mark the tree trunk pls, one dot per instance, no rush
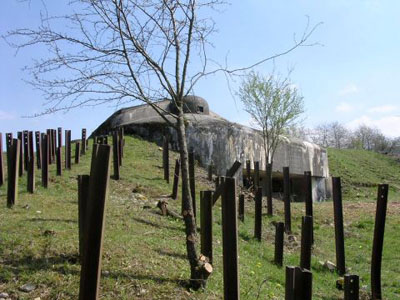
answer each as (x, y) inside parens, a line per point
(199, 269)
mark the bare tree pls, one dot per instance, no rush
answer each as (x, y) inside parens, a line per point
(275, 106)
(124, 50)
(321, 135)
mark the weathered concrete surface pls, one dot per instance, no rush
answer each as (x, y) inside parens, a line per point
(219, 142)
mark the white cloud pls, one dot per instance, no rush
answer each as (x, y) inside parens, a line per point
(6, 116)
(382, 109)
(349, 89)
(390, 125)
(344, 107)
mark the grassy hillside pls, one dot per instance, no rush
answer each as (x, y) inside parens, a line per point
(361, 171)
(144, 253)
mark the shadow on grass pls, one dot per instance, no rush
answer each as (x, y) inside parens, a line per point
(52, 220)
(171, 254)
(159, 226)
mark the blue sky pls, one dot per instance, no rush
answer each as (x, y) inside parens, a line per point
(352, 78)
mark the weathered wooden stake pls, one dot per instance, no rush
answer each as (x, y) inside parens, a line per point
(84, 147)
(94, 223)
(9, 139)
(49, 138)
(302, 284)
(286, 199)
(306, 242)
(206, 221)
(351, 287)
(230, 240)
(175, 184)
(1, 161)
(116, 154)
(21, 153)
(269, 189)
(256, 174)
(192, 181)
(289, 283)
(45, 160)
(13, 155)
(165, 158)
(25, 133)
(248, 173)
(30, 146)
(38, 150)
(258, 214)
(279, 238)
(210, 172)
(77, 152)
(59, 161)
(31, 175)
(377, 248)
(241, 207)
(68, 149)
(59, 137)
(54, 144)
(83, 193)
(308, 193)
(339, 231)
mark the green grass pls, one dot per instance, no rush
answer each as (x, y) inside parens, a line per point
(361, 171)
(144, 253)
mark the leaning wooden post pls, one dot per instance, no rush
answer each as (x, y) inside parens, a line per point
(68, 149)
(192, 181)
(256, 175)
(31, 174)
(21, 153)
(241, 207)
(377, 248)
(59, 161)
(94, 227)
(269, 189)
(13, 155)
(206, 221)
(286, 199)
(77, 152)
(279, 238)
(83, 192)
(351, 287)
(83, 148)
(45, 160)
(339, 231)
(230, 240)
(166, 158)
(258, 214)
(306, 242)
(175, 184)
(116, 154)
(38, 150)
(1, 161)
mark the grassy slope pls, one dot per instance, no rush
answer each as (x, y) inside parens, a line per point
(144, 253)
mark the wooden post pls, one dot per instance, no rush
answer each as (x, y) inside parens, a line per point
(54, 144)
(166, 158)
(175, 184)
(13, 155)
(77, 152)
(30, 146)
(21, 153)
(68, 149)
(210, 172)
(121, 135)
(229, 240)
(49, 138)
(192, 180)
(279, 238)
(269, 189)
(256, 174)
(94, 223)
(286, 199)
(302, 284)
(83, 149)
(59, 136)
(308, 193)
(1, 161)
(289, 283)
(351, 287)
(9, 139)
(25, 133)
(339, 231)
(31, 174)
(83, 192)
(206, 221)
(116, 154)
(241, 207)
(258, 214)
(59, 161)
(306, 242)
(38, 150)
(377, 248)
(45, 160)
(121, 150)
